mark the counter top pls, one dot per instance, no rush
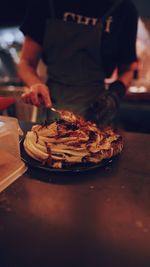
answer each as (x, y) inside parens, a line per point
(99, 218)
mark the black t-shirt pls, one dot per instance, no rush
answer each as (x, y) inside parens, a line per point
(120, 28)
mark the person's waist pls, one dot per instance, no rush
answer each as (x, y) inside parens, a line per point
(75, 77)
(75, 83)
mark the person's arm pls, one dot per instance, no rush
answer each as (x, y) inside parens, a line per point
(126, 73)
(27, 70)
(127, 61)
(125, 76)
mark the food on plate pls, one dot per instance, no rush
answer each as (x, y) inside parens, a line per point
(71, 140)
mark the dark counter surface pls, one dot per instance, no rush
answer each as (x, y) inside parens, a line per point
(95, 219)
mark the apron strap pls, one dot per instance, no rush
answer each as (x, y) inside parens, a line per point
(110, 11)
(113, 7)
(52, 9)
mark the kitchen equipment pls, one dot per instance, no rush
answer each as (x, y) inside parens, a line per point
(11, 165)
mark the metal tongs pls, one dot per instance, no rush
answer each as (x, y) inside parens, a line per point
(55, 110)
(48, 120)
(65, 114)
(58, 112)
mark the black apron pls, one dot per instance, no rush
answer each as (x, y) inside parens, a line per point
(72, 53)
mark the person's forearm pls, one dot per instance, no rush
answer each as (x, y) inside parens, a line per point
(126, 75)
(28, 74)
(118, 88)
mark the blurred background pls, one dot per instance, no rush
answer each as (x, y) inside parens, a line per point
(135, 109)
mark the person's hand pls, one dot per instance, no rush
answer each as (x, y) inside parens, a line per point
(104, 110)
(36, 95)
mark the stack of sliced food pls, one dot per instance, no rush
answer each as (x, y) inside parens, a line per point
(71, 140)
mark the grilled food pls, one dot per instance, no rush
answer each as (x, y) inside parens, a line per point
(71, 140)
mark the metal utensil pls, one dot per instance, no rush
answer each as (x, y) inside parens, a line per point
(53, 109)
(56, 112)
(49, 117)
(64, 114)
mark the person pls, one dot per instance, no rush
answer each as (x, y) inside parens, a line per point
(82, 42)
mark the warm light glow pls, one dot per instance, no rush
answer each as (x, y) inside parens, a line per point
(1, 124)
(135, 89)
(143, 38)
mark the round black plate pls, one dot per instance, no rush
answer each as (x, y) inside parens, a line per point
(74, 168)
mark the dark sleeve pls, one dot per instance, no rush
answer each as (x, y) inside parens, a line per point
(127, 39)
(34, 22)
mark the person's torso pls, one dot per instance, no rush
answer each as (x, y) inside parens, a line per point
(115, 28)
(76, 35)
